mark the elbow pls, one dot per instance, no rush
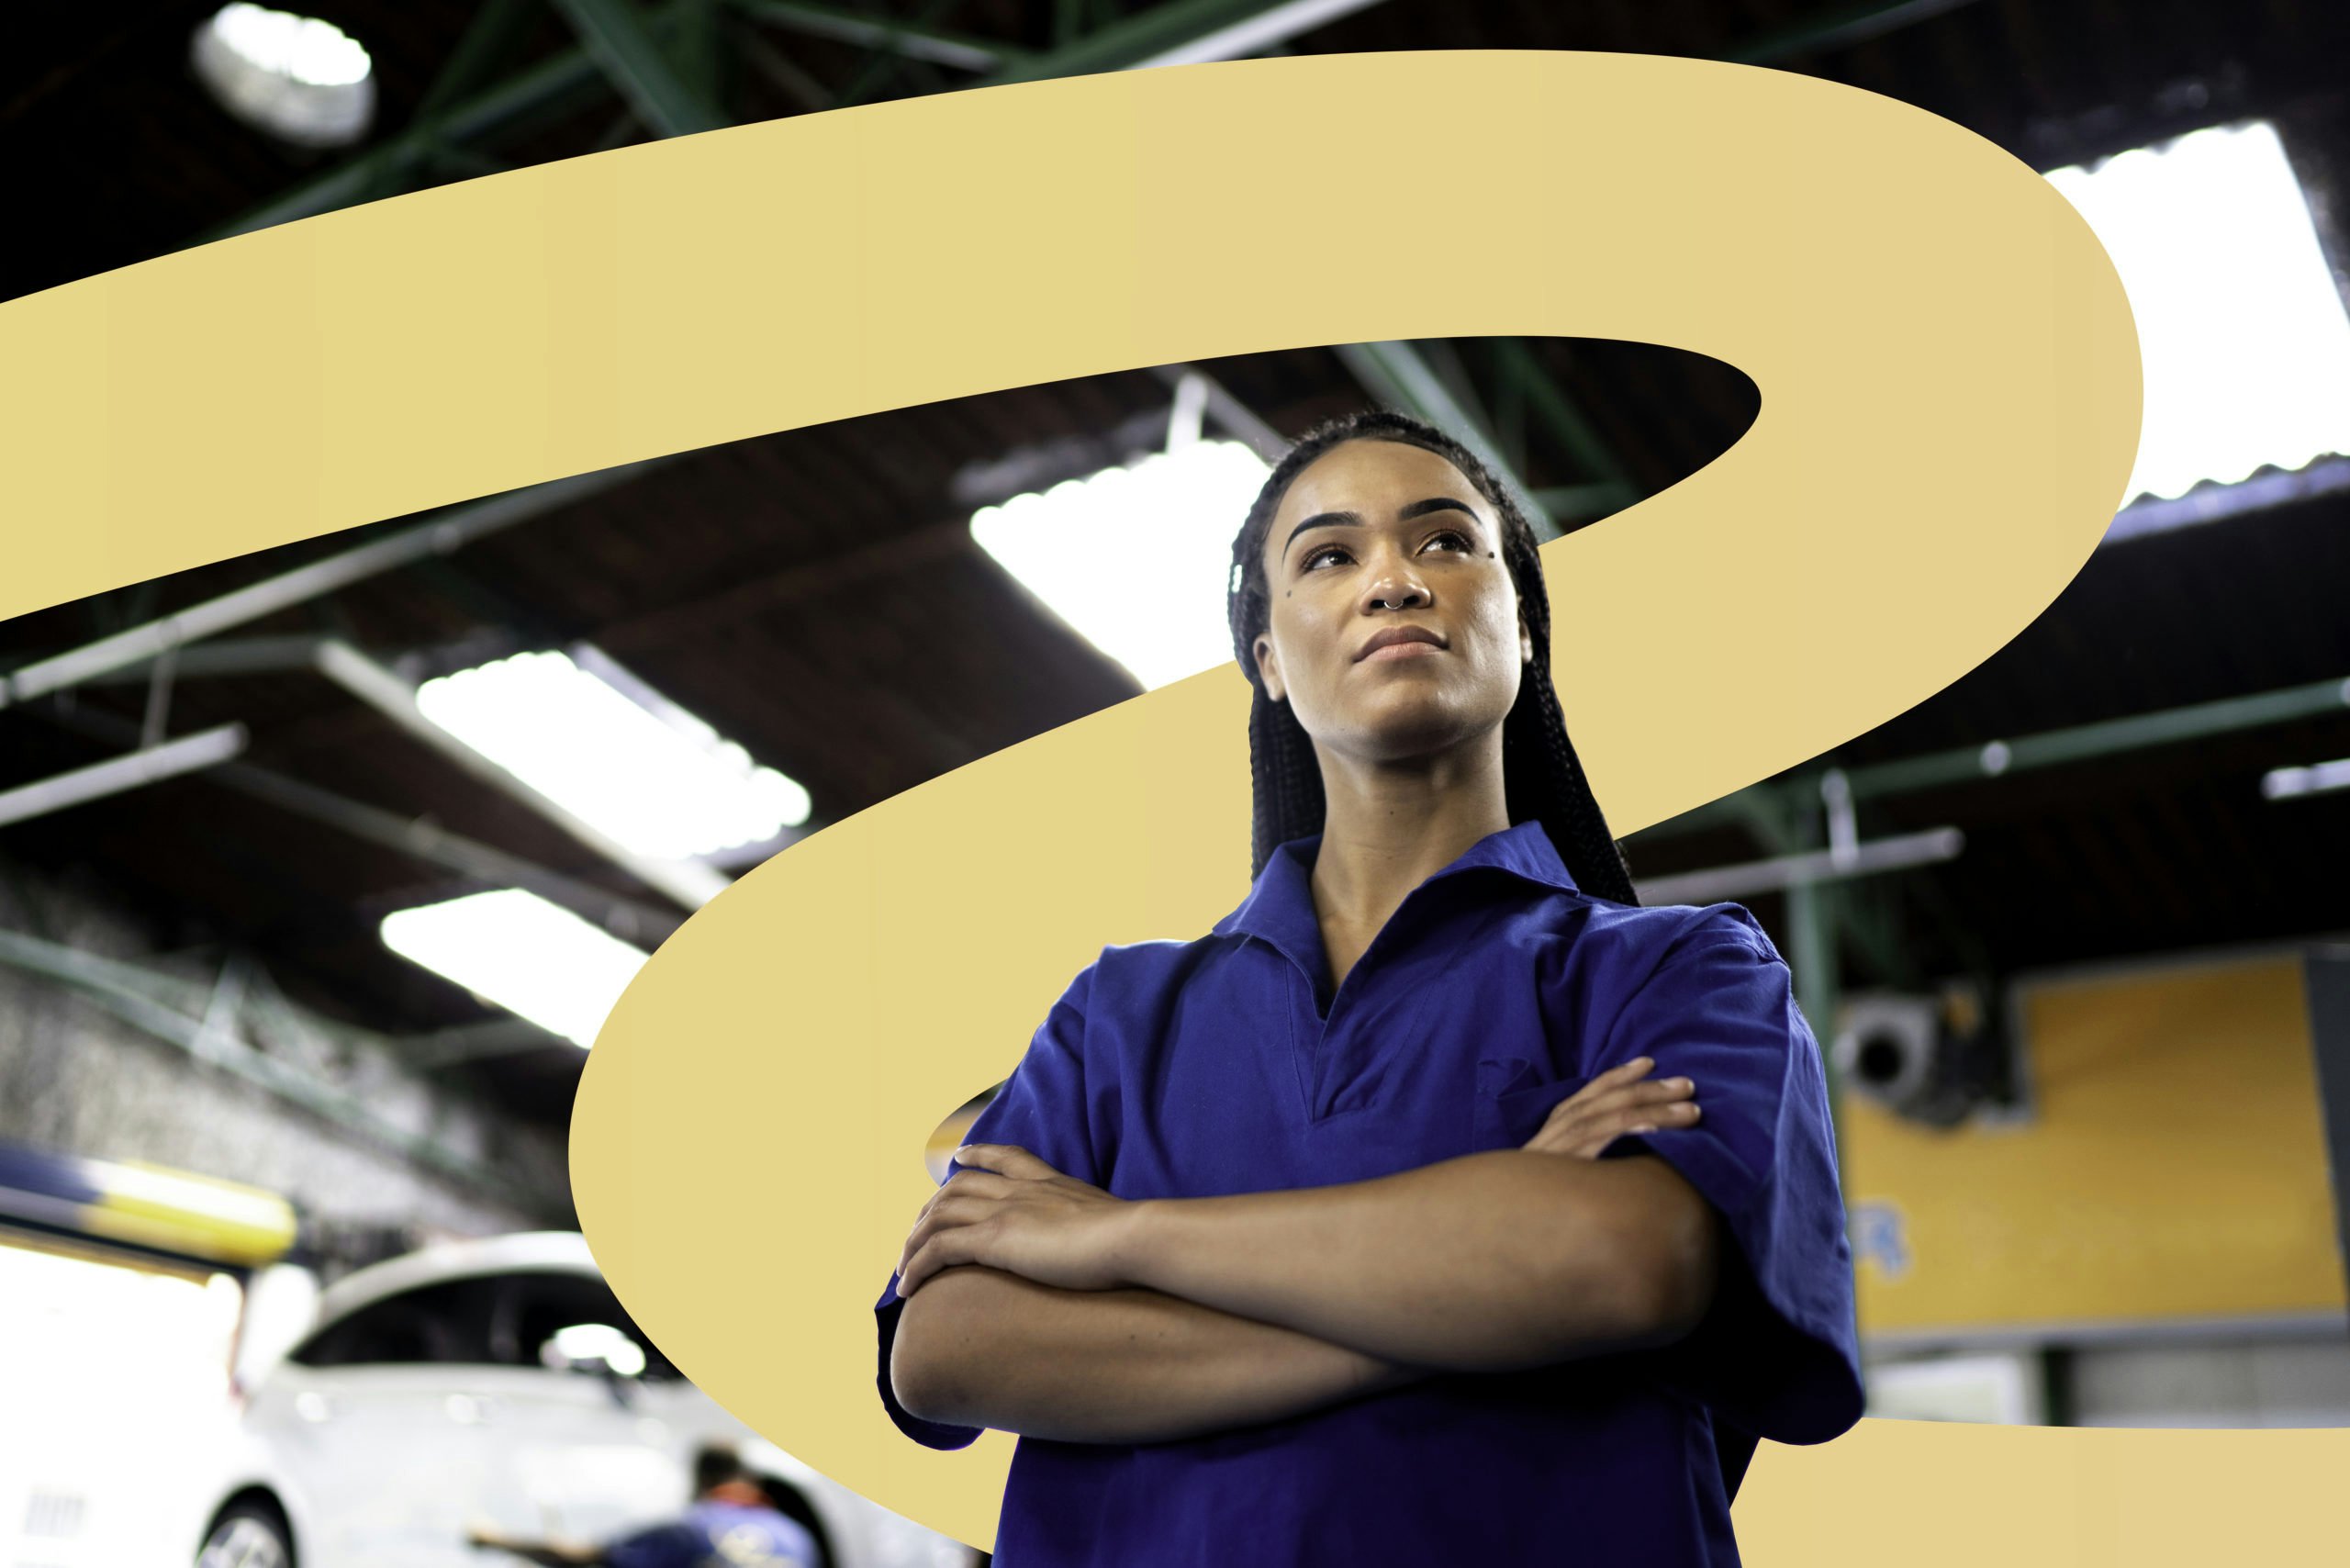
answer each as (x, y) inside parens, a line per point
(1673, 1271)
(1647, 1275)
(924, 1375)
(922, 1387)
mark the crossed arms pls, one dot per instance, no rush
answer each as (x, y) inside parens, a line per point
(1039, 1305)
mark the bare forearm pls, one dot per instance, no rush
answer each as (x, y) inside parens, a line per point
(549, 1553)
(976, 1347)
(1490, 1262)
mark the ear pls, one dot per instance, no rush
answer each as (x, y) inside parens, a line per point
(1269, 669)
(1524, 641)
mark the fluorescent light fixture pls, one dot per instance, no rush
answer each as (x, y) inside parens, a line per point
(299, 79)
(2245, 342)
(515, 950)
(1136, 560)
(635, 766)
(2287, 783)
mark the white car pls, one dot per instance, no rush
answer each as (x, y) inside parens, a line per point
(494, 1384)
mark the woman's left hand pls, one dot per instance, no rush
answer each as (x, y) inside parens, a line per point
(1007, 1209)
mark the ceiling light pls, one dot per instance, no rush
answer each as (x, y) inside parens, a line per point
(2245, 344)
(1135, 559)
(302, 80)
(518, 951)
(2287, 783)
(614, 753)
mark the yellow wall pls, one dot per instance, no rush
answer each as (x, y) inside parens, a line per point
(2173, 1166)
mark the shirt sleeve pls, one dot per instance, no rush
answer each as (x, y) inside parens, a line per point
(1777, 1353)
(1044, 1109)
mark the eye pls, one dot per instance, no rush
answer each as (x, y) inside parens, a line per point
(1451, 538)
(1315, 555)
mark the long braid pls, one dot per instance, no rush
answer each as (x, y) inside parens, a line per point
(1544, 778)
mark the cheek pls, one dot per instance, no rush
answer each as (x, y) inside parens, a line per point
(1495, 619)
(1297, 623)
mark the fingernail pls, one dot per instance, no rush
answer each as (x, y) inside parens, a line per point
(1681, 1083)
(1644, 1129)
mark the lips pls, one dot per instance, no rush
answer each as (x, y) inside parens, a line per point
(1395, 636)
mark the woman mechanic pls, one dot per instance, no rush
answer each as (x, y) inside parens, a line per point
(1441, 1205)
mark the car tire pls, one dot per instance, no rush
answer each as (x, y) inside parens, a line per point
(248, 1534)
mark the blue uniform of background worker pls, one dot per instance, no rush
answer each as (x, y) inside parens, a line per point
(1296, 1092)
(730, 1524)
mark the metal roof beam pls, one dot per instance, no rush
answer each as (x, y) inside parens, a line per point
(1238, 419)
(1837, 29)
(934, 45)
(2050, 748)
(418, 837)
(485, 38)
(2109, 737)
(1185, 32)
(1394, 372)
(426, 840)
(620, 40)
(464, 1044)
(1567, 424)
(1809, 867)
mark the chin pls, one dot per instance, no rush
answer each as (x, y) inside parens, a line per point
(1421, 729)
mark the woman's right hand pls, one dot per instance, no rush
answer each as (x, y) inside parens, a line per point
(1618, 1101)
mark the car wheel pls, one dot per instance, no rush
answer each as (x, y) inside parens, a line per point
(249, 1535)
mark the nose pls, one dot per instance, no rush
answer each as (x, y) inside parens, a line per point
(1393, 586)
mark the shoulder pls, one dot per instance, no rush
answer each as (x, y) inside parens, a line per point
(676, 1544)
(1637, 943)
(1134, 971)
(719, 1521)
(1125, 982)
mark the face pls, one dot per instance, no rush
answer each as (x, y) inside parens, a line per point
(1394, 630)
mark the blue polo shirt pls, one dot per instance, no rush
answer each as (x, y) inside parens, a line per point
(1177, 1069)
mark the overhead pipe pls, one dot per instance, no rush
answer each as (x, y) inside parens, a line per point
(1782, 872)
(643, 925)
(148, 764)
(2049, 748)
(442, 536)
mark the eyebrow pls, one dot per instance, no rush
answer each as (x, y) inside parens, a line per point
(1354, 519)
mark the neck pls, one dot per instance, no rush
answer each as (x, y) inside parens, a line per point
(1389, 826)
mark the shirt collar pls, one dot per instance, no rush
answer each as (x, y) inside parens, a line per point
(1280, 908)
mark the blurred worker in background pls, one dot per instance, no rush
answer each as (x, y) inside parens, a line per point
(730, 1524)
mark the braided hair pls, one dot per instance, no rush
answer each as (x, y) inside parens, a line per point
(1541, 776)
